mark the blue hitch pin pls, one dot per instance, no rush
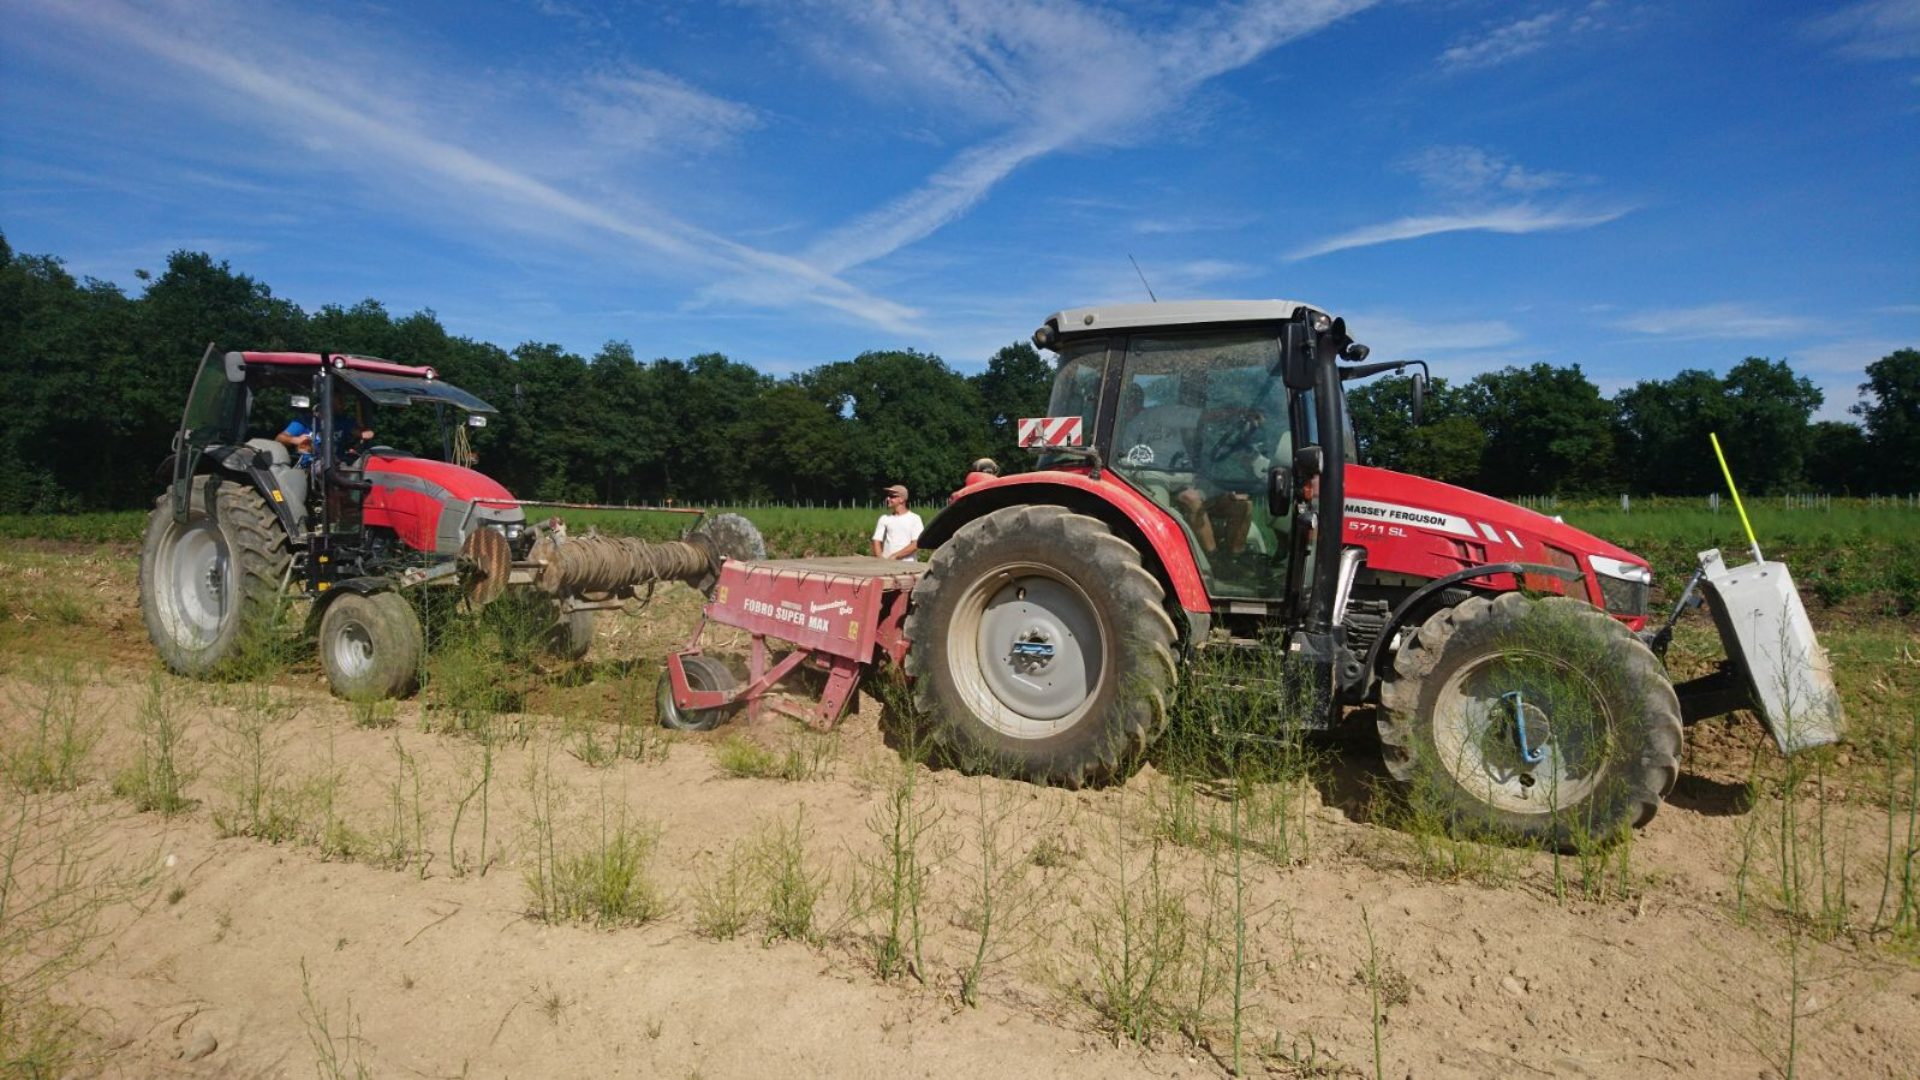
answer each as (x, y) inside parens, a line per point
(1527, 753)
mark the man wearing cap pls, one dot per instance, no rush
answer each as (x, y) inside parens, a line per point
(897, 536)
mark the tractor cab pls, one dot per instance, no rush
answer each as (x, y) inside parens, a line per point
(348, 504)
(1191, 406)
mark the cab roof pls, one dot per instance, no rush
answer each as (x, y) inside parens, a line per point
(348, 361)
(1173, 314)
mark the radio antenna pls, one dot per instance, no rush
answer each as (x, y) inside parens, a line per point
(1143, 277)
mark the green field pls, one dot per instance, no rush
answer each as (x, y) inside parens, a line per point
(1848, 552)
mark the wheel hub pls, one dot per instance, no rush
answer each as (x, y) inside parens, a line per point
(353, 650)
(1038, 652)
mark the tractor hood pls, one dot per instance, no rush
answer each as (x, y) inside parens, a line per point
(1424, 528)
(434, 506)
(457, 482)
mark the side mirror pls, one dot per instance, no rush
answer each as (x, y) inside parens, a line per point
(300, 401)
(476, 420)
(1296, 354)
(1307, 463)
(1279, 491)
(1419, 397)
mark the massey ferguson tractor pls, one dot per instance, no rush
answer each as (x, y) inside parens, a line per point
(1198, 491)
(249, 522)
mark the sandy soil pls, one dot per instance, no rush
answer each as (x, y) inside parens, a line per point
(247, 958)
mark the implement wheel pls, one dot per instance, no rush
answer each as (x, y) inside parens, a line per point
(1543, 720)
(1042, 648)
(703, 673)
(210, 585)
(370, 646)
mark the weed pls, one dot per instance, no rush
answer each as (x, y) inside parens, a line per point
(163, 763)
(904, 824)
(807, 755)
(175, 895)
(551, 1004)
(476, 781)
(1138, 941)
(255, 798)
(1001, 899)
(723, 903)
(633, 737)
(58, 739)
(374, 714)
(338, 1056)
(404, 841)
(1050, 852)
(334, 837)
(1374, 990)
(793, 885)
(56, 884)
(606, 882)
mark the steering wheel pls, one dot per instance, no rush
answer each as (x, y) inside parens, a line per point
(1238, 429)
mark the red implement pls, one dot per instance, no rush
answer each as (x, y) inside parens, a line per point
(837, 614)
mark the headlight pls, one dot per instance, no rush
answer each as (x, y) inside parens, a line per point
(515, 529)
(1626, 587)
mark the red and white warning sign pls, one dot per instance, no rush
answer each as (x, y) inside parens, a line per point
(1050, 431)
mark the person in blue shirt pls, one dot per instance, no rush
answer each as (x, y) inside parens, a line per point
(299, 436)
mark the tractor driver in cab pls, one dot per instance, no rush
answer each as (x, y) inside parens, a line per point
(1160, 448)
(350, 432)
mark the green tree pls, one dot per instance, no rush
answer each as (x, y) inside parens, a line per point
(1838, 458)
(1892, 417)
(1447, 445)
(1548, 431)
(1767, 436)
(914, 421)
(1016, 383)
(1661, 430)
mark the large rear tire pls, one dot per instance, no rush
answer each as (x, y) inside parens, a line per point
(370, 646)
(1545, 720)
(1042, 648)
(210, 586)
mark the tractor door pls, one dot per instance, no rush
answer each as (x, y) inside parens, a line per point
(216, 414)
(1202, 421)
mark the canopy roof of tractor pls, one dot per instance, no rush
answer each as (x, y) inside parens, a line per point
(382, 381)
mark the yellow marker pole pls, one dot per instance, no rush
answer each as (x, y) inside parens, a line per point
(1753, 544)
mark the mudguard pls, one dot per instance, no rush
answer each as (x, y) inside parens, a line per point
(1108, 498)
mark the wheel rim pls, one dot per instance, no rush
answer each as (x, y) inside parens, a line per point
(199, 583)
(352, 649)
(1038, 654)
(1482, 711)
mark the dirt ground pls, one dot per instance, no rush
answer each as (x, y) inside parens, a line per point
(326, 903)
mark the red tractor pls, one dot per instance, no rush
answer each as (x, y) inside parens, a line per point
(251, 518)
(1198, 491)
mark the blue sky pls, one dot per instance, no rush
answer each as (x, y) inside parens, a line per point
(1635, 187)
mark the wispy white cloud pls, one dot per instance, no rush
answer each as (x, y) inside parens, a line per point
(1516, 38)
(1712, 321)
(1002, 62)
(1510, 220)
(1502, 43)
(1477, 190)
(1871, 30)
(644, 110)
(263, 81)
(1471, 170)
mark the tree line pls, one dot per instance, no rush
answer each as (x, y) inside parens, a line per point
(95, 380)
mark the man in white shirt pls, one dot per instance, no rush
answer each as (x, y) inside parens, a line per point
(897, 536)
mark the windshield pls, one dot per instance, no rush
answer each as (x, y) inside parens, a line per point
(407, 389)
(1076, 389)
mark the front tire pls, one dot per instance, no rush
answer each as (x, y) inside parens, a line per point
(1041, 648)
(370, 646)
(1541, 720)
(210, 586)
